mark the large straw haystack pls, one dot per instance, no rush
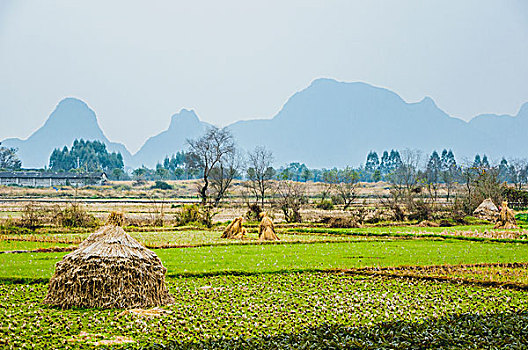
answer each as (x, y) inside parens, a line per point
(235, 230)
(487, 210)
(266, 229)
(506, 218)
(110, 269)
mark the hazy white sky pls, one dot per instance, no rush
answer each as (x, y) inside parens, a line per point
(138, 62)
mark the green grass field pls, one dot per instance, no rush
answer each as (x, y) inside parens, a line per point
(294, 257)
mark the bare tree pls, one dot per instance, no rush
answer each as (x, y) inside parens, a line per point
(260, 172)
(330, 178)
(208, 151)
(346, 186)
(291, 197)
(519, 172)
(480, 182)
(404, 183)
(222, 175)
(450, 177)
(405, 177)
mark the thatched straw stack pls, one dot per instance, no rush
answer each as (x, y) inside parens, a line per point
(487, 210)
(506, 218)
(267, 229)
(110, 269)
(235, 230)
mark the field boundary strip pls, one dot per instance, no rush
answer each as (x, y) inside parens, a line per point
(175, 246)
(385, 272)
(414, 235)
(407, 272)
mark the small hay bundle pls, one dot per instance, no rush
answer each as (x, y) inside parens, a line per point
(110, 269)
(235, 230)
(266, 229)
(506, 218)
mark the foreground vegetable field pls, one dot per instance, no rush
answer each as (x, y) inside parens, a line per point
(265, 305)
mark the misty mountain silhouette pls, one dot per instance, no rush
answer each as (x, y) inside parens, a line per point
(329, 123)
(72, 119)
(184, 125)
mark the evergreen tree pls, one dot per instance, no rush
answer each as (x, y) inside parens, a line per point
(433, 168)
(85, 156)
(477, 163)
(485, 162)
(504, 171)
(373, 162)
(384, 166)
(447, 160)
(451, 161)
(394, 161)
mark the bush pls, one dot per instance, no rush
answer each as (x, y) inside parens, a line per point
(161, 185)
(522, 218)
(73, 215)
(194, 214)
(325, 204)
(339, 222)
(188, 214)
(122, 187)
(421, 210)
(33, 216)
(337, 200)
(516, 198)
(253, 213)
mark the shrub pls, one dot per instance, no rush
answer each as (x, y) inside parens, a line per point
(73, 215)
(188, 214)
(122, 187)
(325, 204)
(33, 216)
(253, 213)
(194, 214)
(339, 222)
(161, 185)
(421, 210)
(516, 198)
(337, 200)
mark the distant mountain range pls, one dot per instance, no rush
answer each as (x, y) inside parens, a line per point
(328, 124)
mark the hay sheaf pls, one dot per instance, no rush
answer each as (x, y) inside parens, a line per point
(267, 229)
(235, 230)
(110, 269)
(506, 218)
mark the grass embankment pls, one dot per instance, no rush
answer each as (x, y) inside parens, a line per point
(293, 257)
(230, 309)
(473, 234)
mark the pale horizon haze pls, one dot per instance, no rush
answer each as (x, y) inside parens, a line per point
(136, 63)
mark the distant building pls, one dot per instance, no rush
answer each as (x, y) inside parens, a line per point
(49, 179)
